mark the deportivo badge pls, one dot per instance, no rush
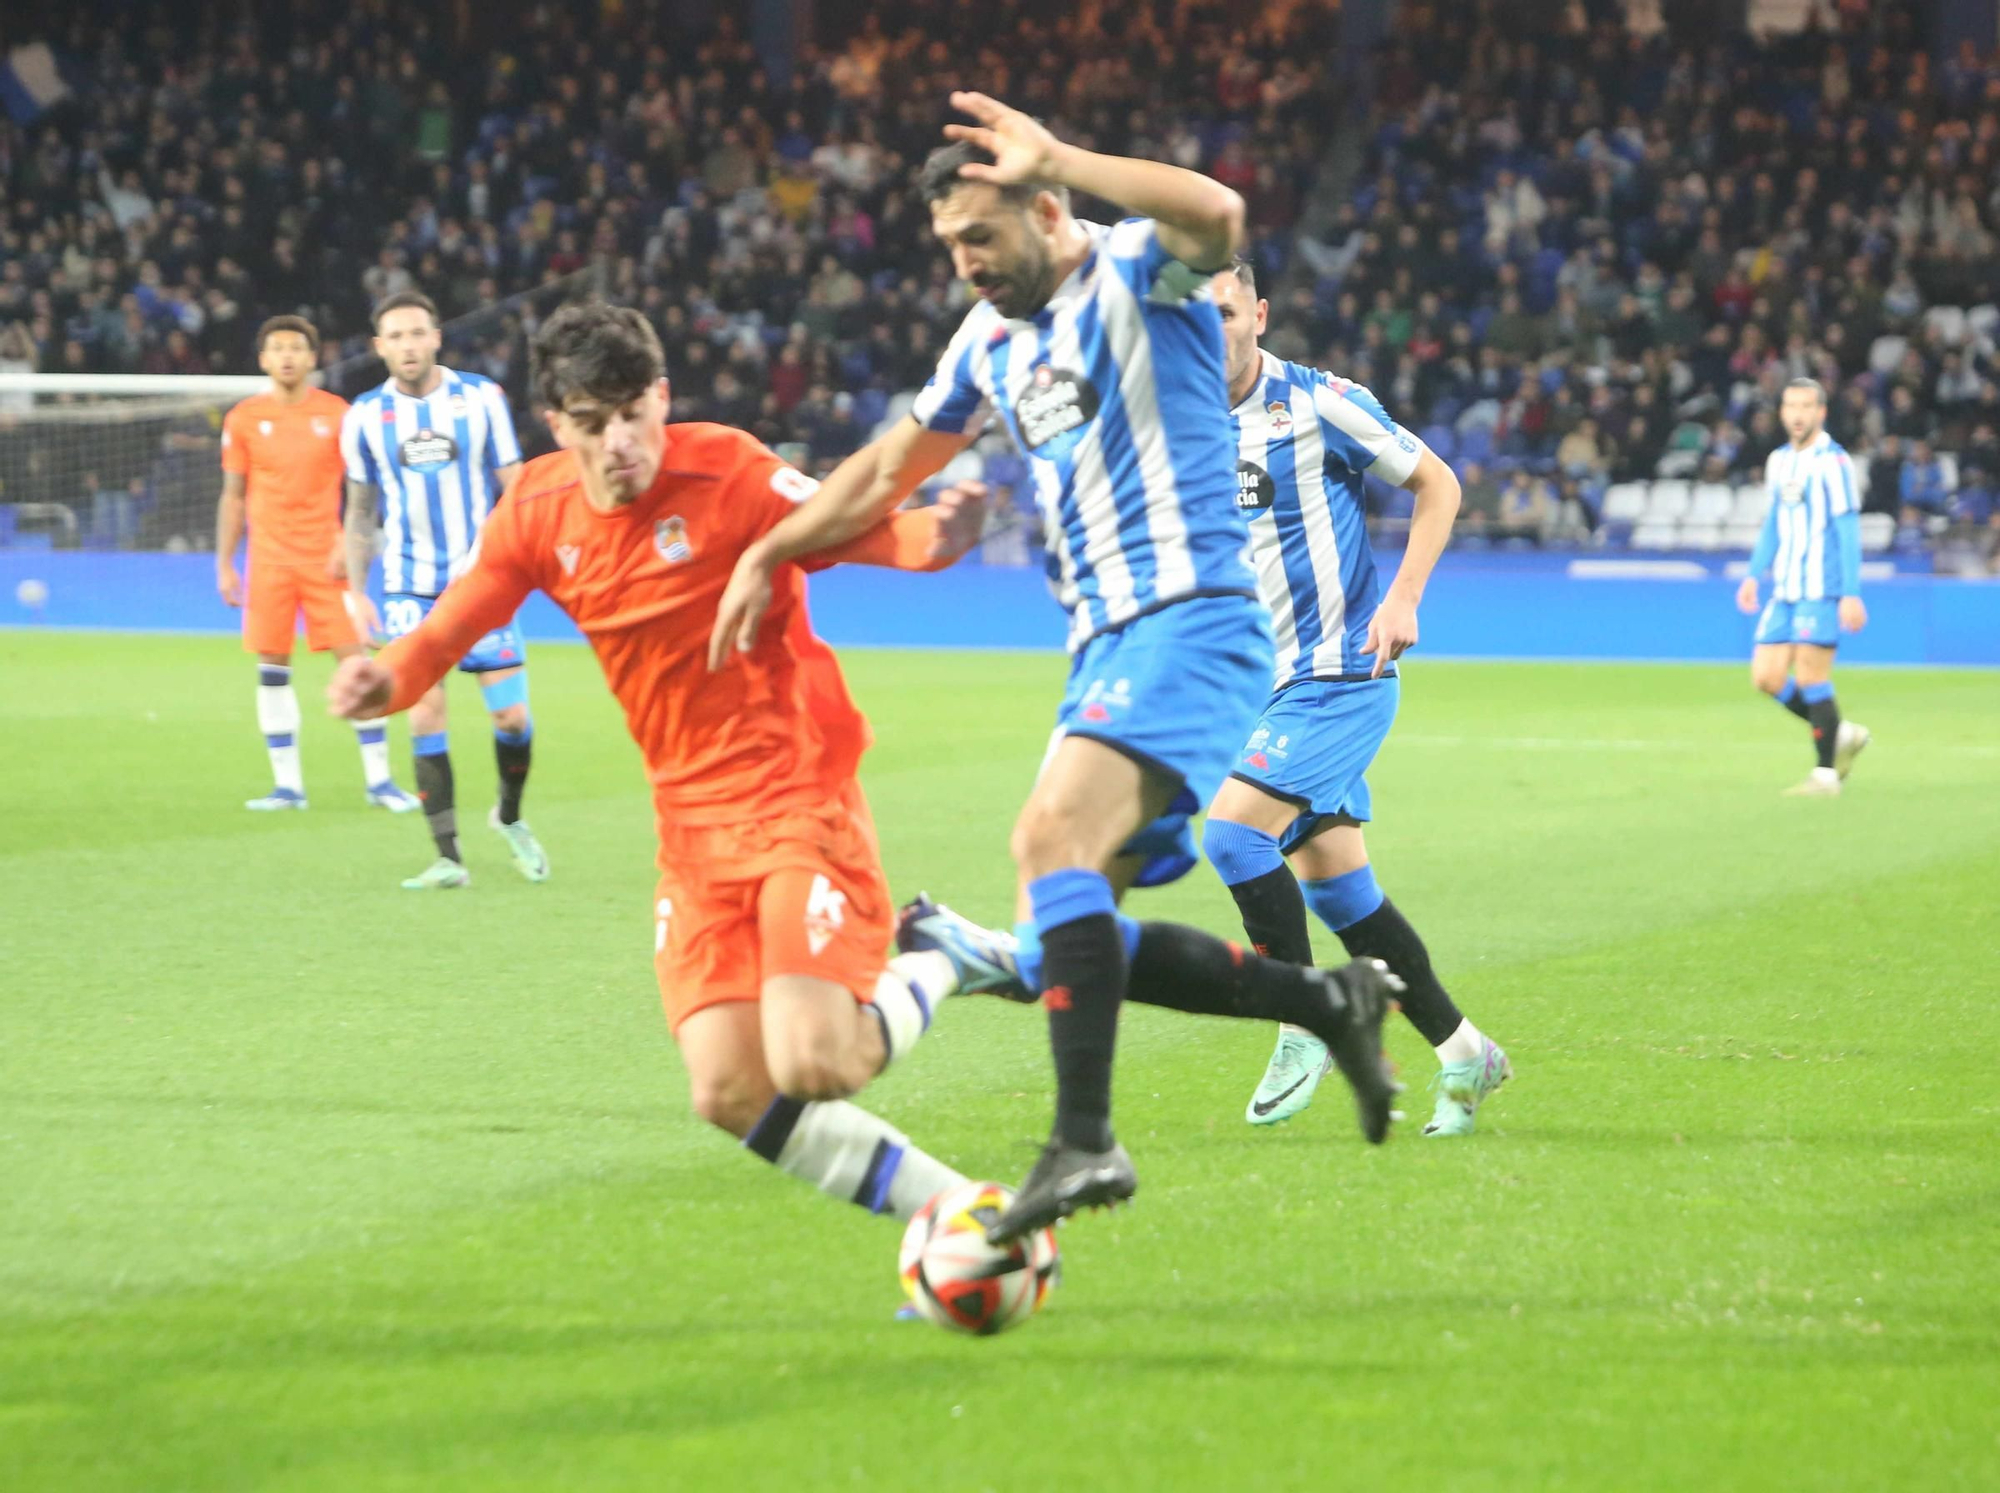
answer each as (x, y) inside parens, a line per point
(1281, 417)
(670, 539)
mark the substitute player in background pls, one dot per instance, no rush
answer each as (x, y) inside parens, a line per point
(1292, 810)
(1101, 350)
(440, 448)
(772, 915)
(281, 474)
(1810, 551)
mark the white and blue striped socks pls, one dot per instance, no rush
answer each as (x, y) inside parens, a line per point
(373, 737)
(278, 719)
(849, 1154)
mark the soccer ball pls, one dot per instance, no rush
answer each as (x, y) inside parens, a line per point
(32, 594)
(957, 1279)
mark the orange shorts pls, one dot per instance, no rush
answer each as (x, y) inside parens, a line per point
(800, 893)
(274, 596)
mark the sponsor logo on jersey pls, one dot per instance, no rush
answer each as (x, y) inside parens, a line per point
(263, 427)
(568, 555)
(1255, 490)
(670, 539)
(826, 912)
(321, 428)
(1054, 411)
(1404, 439)
(428, 451)
(1103, 702)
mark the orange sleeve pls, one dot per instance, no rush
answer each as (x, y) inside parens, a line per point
(483, 598)
(235, 453)
(902, 541)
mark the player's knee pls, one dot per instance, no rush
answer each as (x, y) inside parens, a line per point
(812, 1073)
(1043, 841)
(1770, 681)
(511, 718)
(726, 1102)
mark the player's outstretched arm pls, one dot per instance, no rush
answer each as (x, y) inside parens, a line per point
(855, 497)
(1200, 220)
(1393, 630)
(926, 539)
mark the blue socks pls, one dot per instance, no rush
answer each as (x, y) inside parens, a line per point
(1343, 901)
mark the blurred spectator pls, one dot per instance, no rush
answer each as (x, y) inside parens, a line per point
(1921, 485)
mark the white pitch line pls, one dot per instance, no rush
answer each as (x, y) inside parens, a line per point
(1629, 744)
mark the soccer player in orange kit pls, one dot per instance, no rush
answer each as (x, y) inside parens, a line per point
(281, 471)
(773, 915)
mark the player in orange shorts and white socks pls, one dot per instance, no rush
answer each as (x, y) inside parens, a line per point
(281, 471)
(772, 915)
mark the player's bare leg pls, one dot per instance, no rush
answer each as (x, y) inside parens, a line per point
(373, 739)
(431, 748)
(1088, 802)
(278, 719)
(787, 1102)
(506, 695)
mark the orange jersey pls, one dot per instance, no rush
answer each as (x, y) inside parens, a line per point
(289, 457)
(775, 729)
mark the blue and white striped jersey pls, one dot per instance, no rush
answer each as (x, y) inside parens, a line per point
(1304, 439)
(436, 461)
(1811, 552)
(1115, 394)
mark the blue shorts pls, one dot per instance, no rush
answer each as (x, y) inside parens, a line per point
(1174, 690)
(503, 648)
(1816, 622)
(1312, 747)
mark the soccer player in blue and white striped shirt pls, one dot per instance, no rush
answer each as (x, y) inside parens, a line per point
(440, 448)
(1810, 552)
(1100, 350)
(1293, 809)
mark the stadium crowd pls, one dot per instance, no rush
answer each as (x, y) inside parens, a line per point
(1596, 256)
(215, 173)
(1585, 258)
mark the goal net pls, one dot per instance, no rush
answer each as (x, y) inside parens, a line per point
(112, 462)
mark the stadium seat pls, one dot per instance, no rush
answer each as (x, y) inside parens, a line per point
(1668, 498)
(1737, 535)
(1711, 502)
(1702, 534)
(1750, 503)
(1878, 533)
(1885, 352)
(1625, 502)
(1655, 534)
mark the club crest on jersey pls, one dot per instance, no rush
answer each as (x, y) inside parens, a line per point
(1254, 488)
(1054, 411)
(670, 539)
(1792, 490)
(1280, 414)
(458, 406)
(428, 451)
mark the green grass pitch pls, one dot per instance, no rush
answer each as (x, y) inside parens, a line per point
(308, 1183)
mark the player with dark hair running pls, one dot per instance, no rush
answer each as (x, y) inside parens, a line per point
(771, 917)
(1101, 351)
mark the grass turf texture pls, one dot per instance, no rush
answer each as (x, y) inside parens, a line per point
(313, 1184)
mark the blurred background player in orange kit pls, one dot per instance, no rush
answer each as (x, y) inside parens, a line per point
(281, 471)
(772, 914)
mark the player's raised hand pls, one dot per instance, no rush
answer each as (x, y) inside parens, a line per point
(359, 689)
(228, 584)
(737, 615)
(1392, 632)
(1021, 146)
(961, 511)
(1853, 614)
(1746, 596)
